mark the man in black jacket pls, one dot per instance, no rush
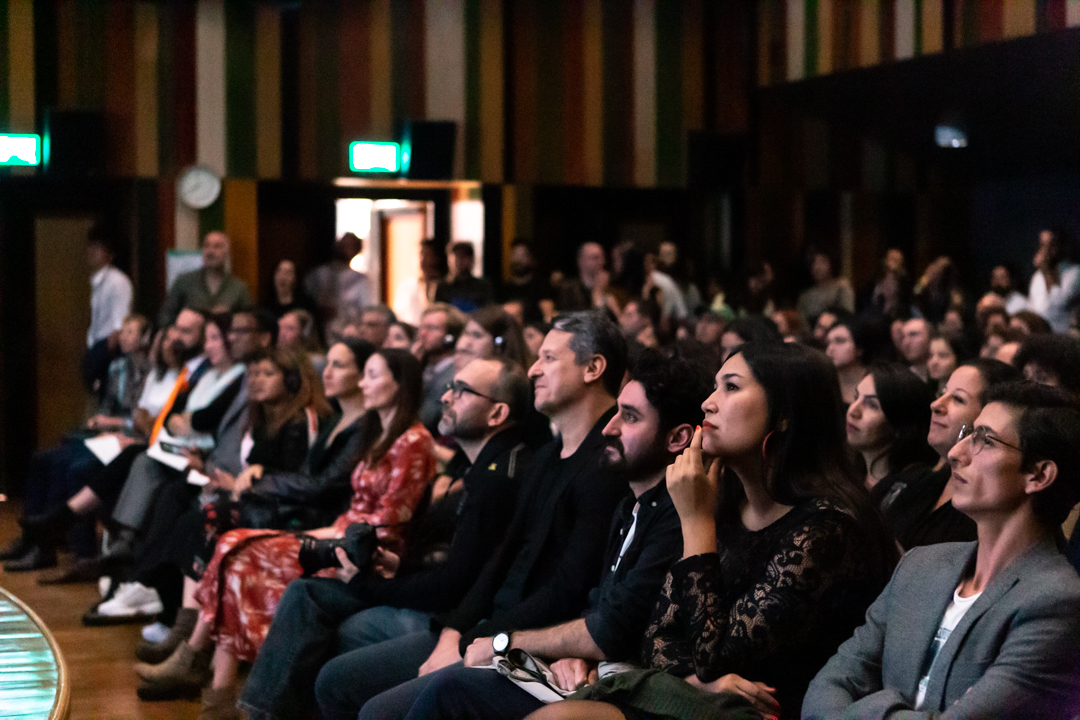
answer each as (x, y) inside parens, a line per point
(554, 549)
(482, 410)
(658, 410)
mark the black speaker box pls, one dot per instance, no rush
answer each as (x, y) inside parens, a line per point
(74, 142)
(430, 144)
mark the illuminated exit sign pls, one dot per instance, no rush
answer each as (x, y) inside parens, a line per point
(20, 149)
(374, 157)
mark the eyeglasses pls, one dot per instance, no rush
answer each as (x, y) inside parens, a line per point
(458, 388)
(980, 438)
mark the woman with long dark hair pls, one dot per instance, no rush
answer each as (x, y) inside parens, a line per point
(782, 550)
(242, 584)
(922, 512)
(887, 425)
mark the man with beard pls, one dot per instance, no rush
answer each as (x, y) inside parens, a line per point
(657, 412)
(469, 510)
(554, 548)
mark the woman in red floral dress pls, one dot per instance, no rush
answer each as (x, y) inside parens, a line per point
(250, 569)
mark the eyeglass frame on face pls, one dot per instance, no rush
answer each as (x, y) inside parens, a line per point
(457, 388)
(980, 439)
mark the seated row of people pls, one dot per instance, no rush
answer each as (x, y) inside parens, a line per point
(670, 557)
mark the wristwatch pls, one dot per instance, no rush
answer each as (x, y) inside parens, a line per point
(500, 644)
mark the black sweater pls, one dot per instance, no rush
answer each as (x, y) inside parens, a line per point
(486, 506)
(554, 549)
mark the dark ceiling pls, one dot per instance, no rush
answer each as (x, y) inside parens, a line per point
(1019, 101)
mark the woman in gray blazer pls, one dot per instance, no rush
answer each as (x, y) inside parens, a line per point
(989, 629)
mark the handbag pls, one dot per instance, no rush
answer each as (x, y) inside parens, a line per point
(531, 675)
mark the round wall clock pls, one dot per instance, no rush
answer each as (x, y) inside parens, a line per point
(198, 187)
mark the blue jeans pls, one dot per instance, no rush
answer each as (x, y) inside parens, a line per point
(348, 681)
(315, 617)
(454, 693)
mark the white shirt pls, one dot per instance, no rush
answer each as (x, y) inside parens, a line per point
(156, 391)
(1015, 302)
(673, 304)
(953, 614)
(110, 303)
(1053, 303)
(411, 300)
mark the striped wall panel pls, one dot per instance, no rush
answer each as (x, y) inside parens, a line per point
(798, 39)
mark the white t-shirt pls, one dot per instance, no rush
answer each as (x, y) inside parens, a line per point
(956, 610)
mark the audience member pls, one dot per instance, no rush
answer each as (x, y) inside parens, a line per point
(491, 332)
(750, 329)
(468, 511)
(640, 321)
(938, 290)
(782, 552)
(1050, 360)
(554, 547)
(1003, 284)
(277, 498)
(658, 409)
(1055, 286)
(338, 290)
(1028, 322)
(374, 325)
(828, 290)
(790, 325)
(588, 289)
(110, 289)
(413, 295)
(985, 629)
(887, 426)
(758, 296)
(297, 333)
(946, 353)
(671, 301)
(212, 288)
(526, 285)
(669, 262)
(400, 335)
(463, 289)
(242, 584)
(436, 338)
(916, 346)
(921, 512)
(285, 293)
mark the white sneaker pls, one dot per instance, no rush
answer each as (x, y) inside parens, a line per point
(132, 599)
(155, 633)
(103, 584)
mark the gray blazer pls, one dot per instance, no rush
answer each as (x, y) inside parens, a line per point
(230, 431)
(1014, 654)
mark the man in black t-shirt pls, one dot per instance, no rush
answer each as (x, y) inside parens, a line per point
(554, 550)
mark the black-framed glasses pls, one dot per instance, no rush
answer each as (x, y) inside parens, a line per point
(458, 388)
(980, 438)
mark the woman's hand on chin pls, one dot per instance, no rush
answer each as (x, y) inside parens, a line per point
(693, 489)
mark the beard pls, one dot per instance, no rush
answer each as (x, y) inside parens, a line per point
(449, 425)
(184, 353)
(614, 458)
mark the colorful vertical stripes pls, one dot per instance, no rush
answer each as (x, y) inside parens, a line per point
(798, 39)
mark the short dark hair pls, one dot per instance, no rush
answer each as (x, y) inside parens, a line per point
(265, 322)
(993, 373)
(513, 388)
(98, 236)
(647, 307)
(1055, 354)
(464, 247)
(1035, 322)
(756, 329)
(388, 315)
(594, 333)
(1048, 424)
(675, 384)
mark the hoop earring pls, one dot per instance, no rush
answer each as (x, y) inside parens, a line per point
(764, 443)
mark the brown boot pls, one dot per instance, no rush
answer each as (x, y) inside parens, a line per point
(220, 704)
(153, 653)
(183, 667)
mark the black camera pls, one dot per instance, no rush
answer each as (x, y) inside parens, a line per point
(359, 544)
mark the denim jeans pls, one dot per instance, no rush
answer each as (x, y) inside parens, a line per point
(314, 618)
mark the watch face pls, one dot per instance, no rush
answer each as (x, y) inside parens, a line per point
(198, 187)
(500, 643)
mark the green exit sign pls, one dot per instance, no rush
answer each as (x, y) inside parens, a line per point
(20, 149)
(374, 157)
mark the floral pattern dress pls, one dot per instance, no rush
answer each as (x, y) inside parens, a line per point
(244, 581)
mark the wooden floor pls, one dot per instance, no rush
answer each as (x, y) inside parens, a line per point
(99, 659)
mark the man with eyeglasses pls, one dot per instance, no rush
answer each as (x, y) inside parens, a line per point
(465, 517)
(553, 552)
(984, 629)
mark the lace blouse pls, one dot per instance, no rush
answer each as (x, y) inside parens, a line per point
(772, 605)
